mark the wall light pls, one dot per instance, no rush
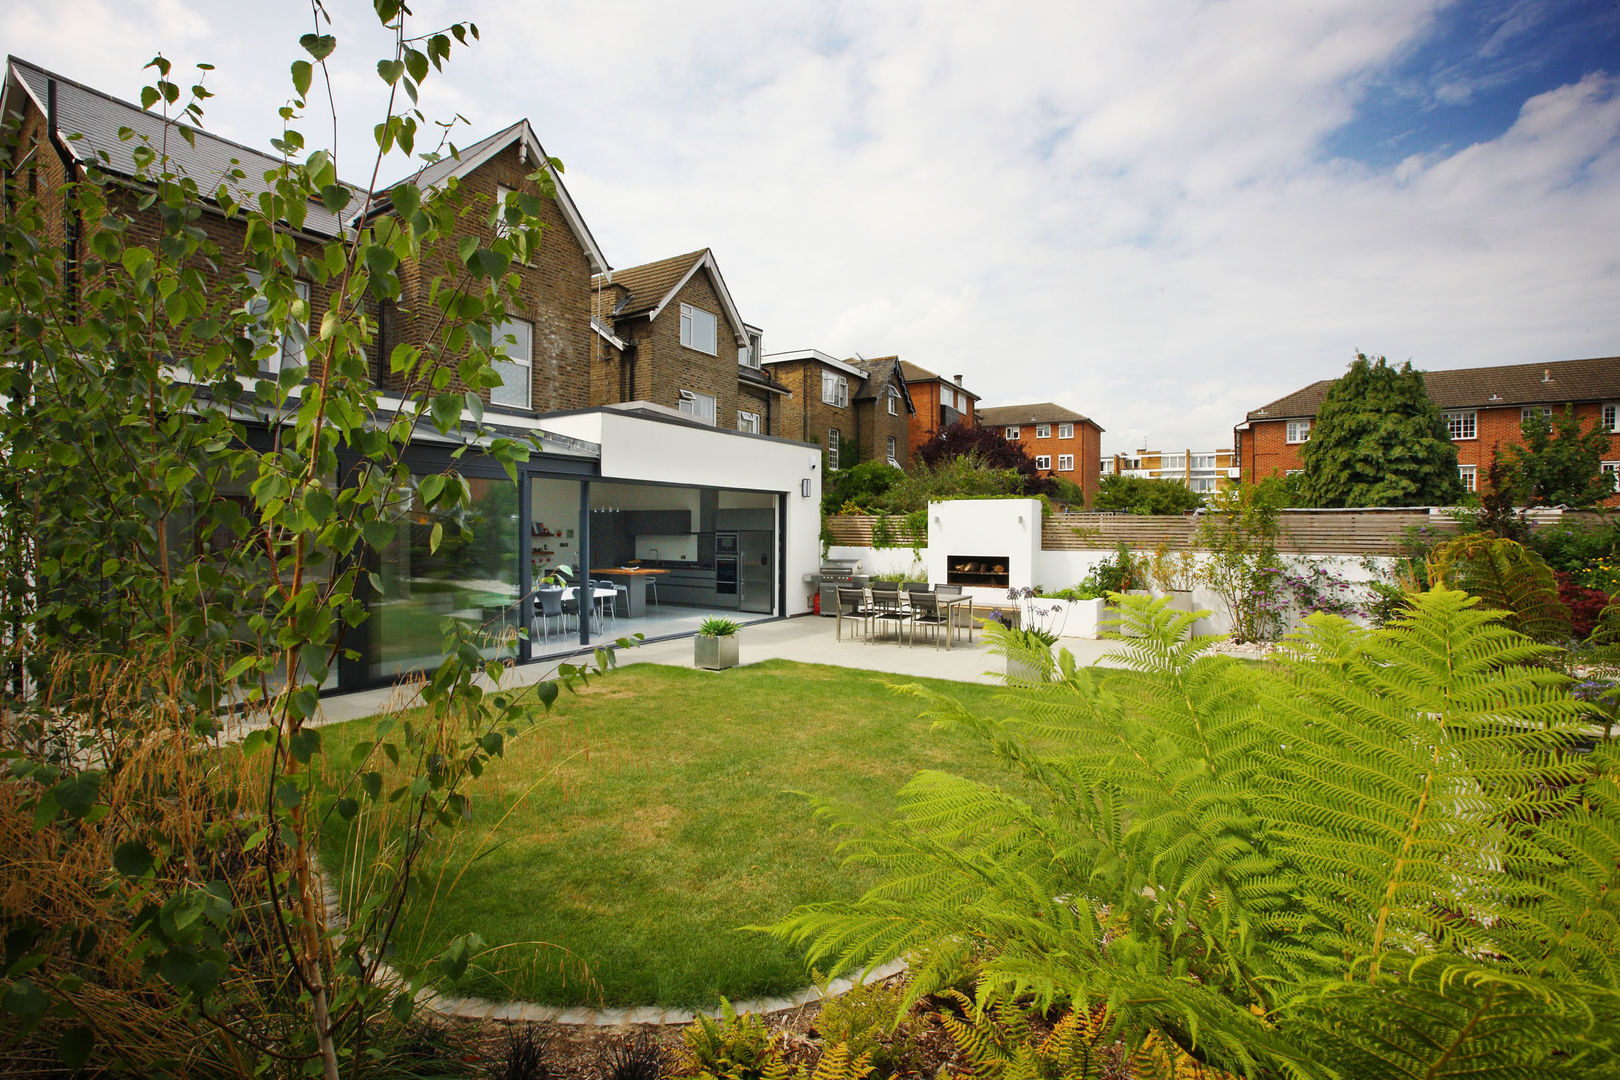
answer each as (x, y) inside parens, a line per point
(804, 487)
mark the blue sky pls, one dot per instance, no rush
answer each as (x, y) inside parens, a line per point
(1466, 78)
(1160, 213)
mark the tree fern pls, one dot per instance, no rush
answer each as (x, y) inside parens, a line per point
(1392, 832)
(1507, 577)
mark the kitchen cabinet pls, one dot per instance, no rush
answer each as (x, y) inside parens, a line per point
(657, 522)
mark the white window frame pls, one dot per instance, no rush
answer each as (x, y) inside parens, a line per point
(748, 422)
(835, 440)
(502, 226)
(693, 321)
(1613, 469)
(1469, 475)
(1065, 431)
(519, 357)
(1043, 461)
(1202, 484)
(891, 447)
(1203, 461)
(834, 390)
(894, 401)
(1298, 431)
(1178, 462)
(698, 406)
(1608, 415)
(1065, 463)
(290, 347)
(1530, 410)
(1043, 431)
(1012, 433)
(1461, 424)
(748, 355)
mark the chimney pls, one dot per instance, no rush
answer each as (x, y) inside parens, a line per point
(1546, 374)
(958, 379)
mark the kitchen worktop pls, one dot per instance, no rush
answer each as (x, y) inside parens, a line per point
(675, 564)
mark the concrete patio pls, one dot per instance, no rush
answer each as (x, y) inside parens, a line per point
(808, 640)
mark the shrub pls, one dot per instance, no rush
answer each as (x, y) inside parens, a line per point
(1584, 605)
(522, 1055)
(639, 1058)
(870, 1020)
(730, 1048)
(718, 627)
(1391, 852)
(1140, 495)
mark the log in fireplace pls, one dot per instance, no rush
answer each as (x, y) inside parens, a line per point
(985, 571)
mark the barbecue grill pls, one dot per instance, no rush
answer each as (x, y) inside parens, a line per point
(836, 573)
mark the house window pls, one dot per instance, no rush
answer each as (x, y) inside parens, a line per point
(834, 389)
(1467, 474)
(894, 403)
(1012, 433)
(1298, 430)
(1065, 463)
(697, 329)
(1461, 425)
(1043, 431)
(1202, 484)
(502, 226)
(749, 354)
(1608, 417)
(1203, 461)
(515, 367)
(833, 439)
(1293, 472)
(1611, 469)
(1108, 467)
(1531, 410)
(1065, 431)
(890, 447)
(1178, 462)
(1043, 461)
(748, 421)
(291, 350)
(698, 406)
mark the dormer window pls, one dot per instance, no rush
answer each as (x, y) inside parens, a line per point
(834, 389)
(502, 226)
(697, 329)
(894, 403)
(749, 354)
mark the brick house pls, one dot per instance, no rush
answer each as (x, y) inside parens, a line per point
(858, 409)
(1062, 442)
(940, 403)
(603, 482)
(1484, 410)
(669, 332)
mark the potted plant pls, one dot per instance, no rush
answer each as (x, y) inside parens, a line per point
(1025, 636)
(1173, 575)
(715, 646)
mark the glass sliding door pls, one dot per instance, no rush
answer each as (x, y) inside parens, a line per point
(470, 579)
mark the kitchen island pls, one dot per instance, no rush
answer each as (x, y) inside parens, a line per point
(634, 579)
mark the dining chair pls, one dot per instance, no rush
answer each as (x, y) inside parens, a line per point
(852, 605)
(550, 606)
(887, 608)
(953, 590)
(925, 612)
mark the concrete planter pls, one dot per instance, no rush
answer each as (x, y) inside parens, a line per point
(1180, 599)
(714, 653)
(1085, 618)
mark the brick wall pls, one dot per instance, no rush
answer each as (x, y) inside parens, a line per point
(554, 294)
(875, 427)
(1086, 446)
(805, 416)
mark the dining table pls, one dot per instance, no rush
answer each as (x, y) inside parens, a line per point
(597, 598)
(635, 579)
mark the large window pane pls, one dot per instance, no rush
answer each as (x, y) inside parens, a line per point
(472, 579)
(514, 370)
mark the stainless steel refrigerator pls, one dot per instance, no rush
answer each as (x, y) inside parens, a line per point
(756, 570)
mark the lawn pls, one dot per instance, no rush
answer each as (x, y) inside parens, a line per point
(623, 840)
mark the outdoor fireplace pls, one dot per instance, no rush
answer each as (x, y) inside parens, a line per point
(983, 571)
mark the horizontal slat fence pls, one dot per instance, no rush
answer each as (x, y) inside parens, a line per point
(1307, 532)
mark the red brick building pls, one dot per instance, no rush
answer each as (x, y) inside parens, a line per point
(1062, 442)
(1484, 410)
(669, 332)
(940, 403)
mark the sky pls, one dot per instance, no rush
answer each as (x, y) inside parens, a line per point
(1159, 213)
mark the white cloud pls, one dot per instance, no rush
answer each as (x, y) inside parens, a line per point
(1122, 208)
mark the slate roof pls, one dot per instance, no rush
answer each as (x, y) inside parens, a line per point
(1040, 412)
(879, 371)
(650, 282)
(1596, 379)
(915, 374)
(97, 117)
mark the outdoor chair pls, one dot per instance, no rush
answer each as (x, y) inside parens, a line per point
(886, 607)
(916, 587)
(925, 612)
(605, 609)
(548, 606)
(852, 605)
(953, 590)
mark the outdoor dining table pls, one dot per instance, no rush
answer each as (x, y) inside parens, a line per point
(949, 605)
(597, 596)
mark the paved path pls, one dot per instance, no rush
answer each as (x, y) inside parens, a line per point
(808, 640)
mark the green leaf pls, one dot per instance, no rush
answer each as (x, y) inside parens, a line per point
(133, 859)
(27, 1002)
(75, 1045)
(346, 808)
(417, 64)
(149, 96)
(431, 486)
(319, 46)
(305, 744)
(406, 198)
(371, 783)
(475, 405)
(390, 71)
(335, 197)
(302, 75)
(436, 537)
(446, 410)
(546, 691)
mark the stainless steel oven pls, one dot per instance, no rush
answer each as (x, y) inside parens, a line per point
(725, 569)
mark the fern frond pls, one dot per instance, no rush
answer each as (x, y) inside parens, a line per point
(1507, 577)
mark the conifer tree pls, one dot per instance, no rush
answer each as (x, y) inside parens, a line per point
(1379, 441)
